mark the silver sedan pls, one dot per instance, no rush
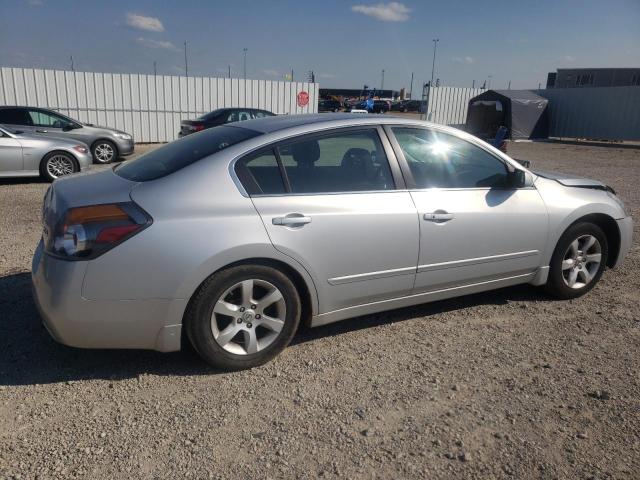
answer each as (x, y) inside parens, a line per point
(233, 237)
(24, 155)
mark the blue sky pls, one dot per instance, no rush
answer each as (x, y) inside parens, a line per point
(347, 43)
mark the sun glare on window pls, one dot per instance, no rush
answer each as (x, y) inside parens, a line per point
(440, 148)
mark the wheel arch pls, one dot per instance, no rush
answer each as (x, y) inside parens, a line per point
(610, 228)
(303, 283)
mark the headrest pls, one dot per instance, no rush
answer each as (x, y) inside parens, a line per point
(306, 153)
(357, 158)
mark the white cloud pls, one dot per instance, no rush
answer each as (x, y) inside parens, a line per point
(385, 12)
(469, 60)
(151, 43)
(152, 24)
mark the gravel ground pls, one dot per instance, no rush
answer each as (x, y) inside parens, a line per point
(507, 384)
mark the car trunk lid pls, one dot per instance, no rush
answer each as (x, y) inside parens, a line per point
(94, 188)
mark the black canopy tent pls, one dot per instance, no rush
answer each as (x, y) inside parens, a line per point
(523, 113)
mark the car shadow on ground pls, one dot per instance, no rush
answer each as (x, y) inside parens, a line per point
(29, 356)
(22, 180)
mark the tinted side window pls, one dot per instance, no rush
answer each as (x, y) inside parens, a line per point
(45, 119)
(260, 174)
(438, 160)
(347, 161)
(15, 116)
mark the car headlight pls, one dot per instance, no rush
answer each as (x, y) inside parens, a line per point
(123, 136)
(81, 149)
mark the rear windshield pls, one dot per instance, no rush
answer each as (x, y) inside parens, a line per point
(181, 153)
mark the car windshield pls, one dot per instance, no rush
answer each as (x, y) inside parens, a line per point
(211, 115)
(181, 153)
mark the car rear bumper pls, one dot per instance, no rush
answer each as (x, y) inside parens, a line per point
(625, 225)
(75, 321)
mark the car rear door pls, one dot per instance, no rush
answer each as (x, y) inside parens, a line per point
(340, 209)
(17, 118)
(474, 225)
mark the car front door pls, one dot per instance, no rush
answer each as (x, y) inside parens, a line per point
(49, 123)
(476, 225)
(341, 211)
(10, 154)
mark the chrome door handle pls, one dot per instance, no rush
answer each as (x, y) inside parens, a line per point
(291, 220)
(438, 216)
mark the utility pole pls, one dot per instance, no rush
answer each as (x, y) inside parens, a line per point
(186, 65)
(72, 69)
(382, 82)
(292, 74)
(509, 87)
(433, 64)
(155, 70)
(229, 71)
(245, 62)
(473, 84)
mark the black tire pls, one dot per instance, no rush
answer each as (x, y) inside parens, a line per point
(45, 172)
(556, 284)
(198, 318)
(99, 147)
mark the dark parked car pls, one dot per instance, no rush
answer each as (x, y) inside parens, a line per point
(220, 117)
(408, 106)
(329, 106)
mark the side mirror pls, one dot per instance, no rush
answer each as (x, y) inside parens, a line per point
(516, 178)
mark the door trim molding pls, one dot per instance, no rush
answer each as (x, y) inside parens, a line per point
(441, 294)
(361, 277)
(476, 261)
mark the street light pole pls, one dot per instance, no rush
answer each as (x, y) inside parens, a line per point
(186, 65)
(433, 64)
(382, 82)
(411, 87)
(245, 62)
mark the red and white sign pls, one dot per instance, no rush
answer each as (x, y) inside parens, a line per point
(303, 99)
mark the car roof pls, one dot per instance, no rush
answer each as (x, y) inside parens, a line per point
(285, 122)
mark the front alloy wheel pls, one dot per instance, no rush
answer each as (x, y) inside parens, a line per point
(56, 165)
(104, 152)
(578, 261)
(581, 261)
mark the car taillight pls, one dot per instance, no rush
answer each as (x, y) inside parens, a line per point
(197, 128)
(86, 232)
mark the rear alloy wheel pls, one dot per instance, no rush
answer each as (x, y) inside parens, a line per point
(57, 164)
(104, 151)
(243, 317)
(578, 261)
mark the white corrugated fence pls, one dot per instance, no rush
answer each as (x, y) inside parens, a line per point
(448, 105)
(150, 107)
